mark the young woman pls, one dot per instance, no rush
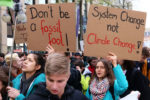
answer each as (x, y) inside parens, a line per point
(25, 83)
(103, 85)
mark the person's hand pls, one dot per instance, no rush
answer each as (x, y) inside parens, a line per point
(12, 92)
(113, 58)
(78, 68)
(50, 49)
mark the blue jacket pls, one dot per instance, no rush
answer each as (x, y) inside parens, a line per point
(16, 84)
(120, 85)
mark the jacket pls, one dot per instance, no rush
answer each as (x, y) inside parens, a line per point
(138, 82)
(37, 80)
(43, 94)
(120, 85)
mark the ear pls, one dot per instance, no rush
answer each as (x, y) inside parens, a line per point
(38, 67)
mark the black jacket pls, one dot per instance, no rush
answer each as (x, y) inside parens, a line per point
(75, 79)
(137, 81)
(42, 93)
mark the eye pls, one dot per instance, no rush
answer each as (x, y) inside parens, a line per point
(50, 80)
(60, 81)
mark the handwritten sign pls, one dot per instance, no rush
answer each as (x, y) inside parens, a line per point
(21, 33)
(52, 24)
(117, 30)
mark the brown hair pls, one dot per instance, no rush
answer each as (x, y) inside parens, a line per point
(109, 71)
(145, 52)
(57, 63)
(4, 80)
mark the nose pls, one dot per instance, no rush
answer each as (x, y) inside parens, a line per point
(54, 86)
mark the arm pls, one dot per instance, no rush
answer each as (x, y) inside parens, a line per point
(14, 93)
(120, 84)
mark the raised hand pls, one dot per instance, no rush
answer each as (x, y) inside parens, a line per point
(113, 58)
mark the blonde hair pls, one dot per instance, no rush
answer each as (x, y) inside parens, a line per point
(57, 63)
(15, 57)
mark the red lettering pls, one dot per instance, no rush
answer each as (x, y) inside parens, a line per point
(93, 39)
(118, 42)
(52, 29)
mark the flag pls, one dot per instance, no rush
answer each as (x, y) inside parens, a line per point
(8, 3)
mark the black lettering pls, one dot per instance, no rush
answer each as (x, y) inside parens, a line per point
(63, 14)
(97, 13)
(33, 27)
(124, 17)
(33, 11)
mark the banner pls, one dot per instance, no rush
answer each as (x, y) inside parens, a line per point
(53, 24)
(8, 3)
(116, 30)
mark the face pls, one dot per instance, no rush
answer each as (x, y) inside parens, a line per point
(100, 70)
(1, 85)
(29, 65)
(56, 83)
(1, 59)
(93, 63)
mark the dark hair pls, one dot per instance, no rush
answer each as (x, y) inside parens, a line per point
(145, 52)
(79, 63)
(4, 80)
(39, 60)
(2, 55)
(109, 71)
(91, 59)
(21, 54)
(128, 64)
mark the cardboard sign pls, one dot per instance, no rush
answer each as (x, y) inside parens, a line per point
(52, 24)
(116, 30)
(21, 33)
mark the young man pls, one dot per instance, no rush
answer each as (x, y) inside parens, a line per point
(57, 72)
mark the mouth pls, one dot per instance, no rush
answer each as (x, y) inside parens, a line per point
(54, 91)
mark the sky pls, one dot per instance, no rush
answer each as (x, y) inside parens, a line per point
(144, 6)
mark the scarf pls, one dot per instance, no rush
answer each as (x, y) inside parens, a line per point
(91, 68)
(99, 89)
(25, 83)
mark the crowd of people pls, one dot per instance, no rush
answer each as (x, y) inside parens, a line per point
(73, 76)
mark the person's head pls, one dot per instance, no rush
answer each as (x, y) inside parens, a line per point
(128, 64)
(79, 63)
(92, 61)
(57, 70)
(3, 81)
(104, 69)
(22, 57)
(78, 55)
(145, 53)
(33, 63)
(15, 59)
(2, 57)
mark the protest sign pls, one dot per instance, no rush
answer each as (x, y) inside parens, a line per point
(117, 30)
(52, 24)
(20, 33)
